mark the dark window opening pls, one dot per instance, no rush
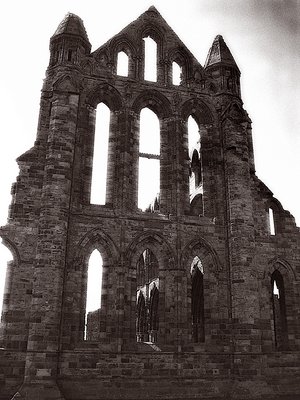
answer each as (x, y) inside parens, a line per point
(153, 314)
(141, 320)
(70, 55)
(198, 333)
(279, 311)
(147, 318)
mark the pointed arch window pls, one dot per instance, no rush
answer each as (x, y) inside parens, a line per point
(147, 317)
(71, 55)
(149, 161)
(279, 311)
(271, 222)
(141, 321)
(197, 273)
(195, 172)
(93, 293)
(176, 73)
(100, 154)
(150, 72)
(153, 314)
(122, 64)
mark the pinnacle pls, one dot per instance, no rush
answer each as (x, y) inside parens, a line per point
(220, 53)
(152, 8)
(72, 24)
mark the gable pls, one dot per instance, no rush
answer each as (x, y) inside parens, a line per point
(150, 24)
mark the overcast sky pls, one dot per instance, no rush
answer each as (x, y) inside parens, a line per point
(264, 38)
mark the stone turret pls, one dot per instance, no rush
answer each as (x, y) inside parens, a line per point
(222, 67)
(69, 42)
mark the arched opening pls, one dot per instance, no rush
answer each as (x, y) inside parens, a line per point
(71, 55)
(153, 314)
(100, 154)
(271, 222)
(141, 320)
(122, 64)
(147, 321)
(176, 73)
(149, 161)
(93, 293)
(195, 171)
(150, 72)
(6, 258)
(279, 311)
(197, 303)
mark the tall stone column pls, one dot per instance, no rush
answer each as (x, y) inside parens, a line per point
(45, 319)
(241, 245)
(174, 167)
(122, 179)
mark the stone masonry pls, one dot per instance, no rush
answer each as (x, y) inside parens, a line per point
(200, 299)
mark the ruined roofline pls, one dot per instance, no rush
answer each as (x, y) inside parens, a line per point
(140, 19)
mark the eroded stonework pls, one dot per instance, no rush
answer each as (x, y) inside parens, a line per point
(189, 308)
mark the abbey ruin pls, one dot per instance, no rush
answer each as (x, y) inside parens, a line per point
(200, 294)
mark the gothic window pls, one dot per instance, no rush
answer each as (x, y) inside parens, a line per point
(141, 320)
(279, 311)
(271, 222)
(195, 160)
(150, 72)
(149, 162)
(99, 172)
(147, 297)
(93, 293)
(153, 314)
(197, 300)
(122, 64)
(71, 55)
(176, 73)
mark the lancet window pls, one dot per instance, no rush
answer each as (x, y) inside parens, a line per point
(93, 294)
(195, 158)
(150, 72)
(147, 320)
(99, 171)
(279, 310)
(197, 273)
(122, 64)
(149, 162)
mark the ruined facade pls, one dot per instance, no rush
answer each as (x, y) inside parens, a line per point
(200, 293)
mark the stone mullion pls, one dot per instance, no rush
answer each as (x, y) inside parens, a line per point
(176, 168)
(124, 134)
(45, 317)
(130, 156)
(212, 175)
(113, 164)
